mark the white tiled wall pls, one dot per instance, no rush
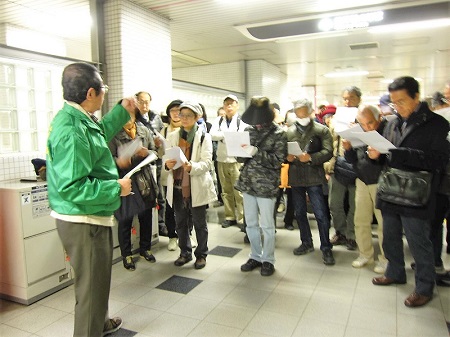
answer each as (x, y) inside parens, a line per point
(18, 166)
(138, 53)
(228, 76)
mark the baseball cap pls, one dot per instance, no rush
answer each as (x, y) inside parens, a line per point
(231, 96)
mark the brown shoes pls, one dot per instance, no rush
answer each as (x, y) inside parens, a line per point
(416, 300)
(200, 263)
(385, 281)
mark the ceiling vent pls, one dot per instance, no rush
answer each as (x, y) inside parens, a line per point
(365, 45)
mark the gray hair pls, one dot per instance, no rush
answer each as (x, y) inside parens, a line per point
(373, 109)
(304, 102)
(353, 89)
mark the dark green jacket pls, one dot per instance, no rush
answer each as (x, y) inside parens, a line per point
(316, 140)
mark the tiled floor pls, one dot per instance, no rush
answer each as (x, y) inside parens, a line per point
(303, 297)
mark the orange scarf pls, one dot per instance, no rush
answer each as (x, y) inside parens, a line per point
(131, 131)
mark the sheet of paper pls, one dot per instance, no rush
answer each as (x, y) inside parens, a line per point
(294, 148)
(164, 142)
(152, 156)
(375, 140)
(127, 150)
(174, 153)
(343, 118)
(349, 134)
(234, 142)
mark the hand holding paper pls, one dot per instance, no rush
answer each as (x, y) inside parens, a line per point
(235, 141)
(149, 159)
(175, 153)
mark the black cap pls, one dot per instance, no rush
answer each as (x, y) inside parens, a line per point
(176, 102)
(259, 112)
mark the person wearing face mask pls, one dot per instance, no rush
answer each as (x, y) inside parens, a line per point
(307, 175)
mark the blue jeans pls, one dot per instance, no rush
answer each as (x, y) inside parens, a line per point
(259, 217)
(417, 234)
(319, 207)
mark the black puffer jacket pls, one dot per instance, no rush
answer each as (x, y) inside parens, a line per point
(422, 147)
(366, 169)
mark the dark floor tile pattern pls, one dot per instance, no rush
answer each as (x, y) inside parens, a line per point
(224, 251)
(123, 333)
(179, 284)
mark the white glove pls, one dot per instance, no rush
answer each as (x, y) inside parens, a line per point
(250, 149)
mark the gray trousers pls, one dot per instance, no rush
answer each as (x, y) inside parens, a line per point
(89, 248)
(343, 223)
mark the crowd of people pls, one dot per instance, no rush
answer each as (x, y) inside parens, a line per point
(295, 163)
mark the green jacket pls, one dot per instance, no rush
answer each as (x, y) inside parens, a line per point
(81, 172)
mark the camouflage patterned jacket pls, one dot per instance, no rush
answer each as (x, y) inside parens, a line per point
(260, 175)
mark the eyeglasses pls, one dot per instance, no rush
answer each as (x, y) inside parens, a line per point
(141, 102)
(104, 86)
(186, 116)
(395, 105)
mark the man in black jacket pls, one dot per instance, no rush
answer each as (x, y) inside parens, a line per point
(367, 172)
(418, 135)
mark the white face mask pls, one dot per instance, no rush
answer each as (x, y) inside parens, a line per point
(304, 121)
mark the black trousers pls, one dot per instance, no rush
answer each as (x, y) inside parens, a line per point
(145, 232)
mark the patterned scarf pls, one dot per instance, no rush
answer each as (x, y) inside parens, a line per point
(185, 144)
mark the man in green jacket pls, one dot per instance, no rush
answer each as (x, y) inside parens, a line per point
(84, 190)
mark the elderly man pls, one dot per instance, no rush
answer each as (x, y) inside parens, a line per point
(367, 172)
(228, 167)
(307, 175)
(84, 190)
(418, 135)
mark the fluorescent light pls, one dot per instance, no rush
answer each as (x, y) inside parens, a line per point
(410, 26)
(350, 73)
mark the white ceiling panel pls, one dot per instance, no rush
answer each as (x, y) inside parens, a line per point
(206, 30)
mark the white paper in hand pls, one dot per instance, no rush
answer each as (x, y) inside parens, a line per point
(152, 156)
(127, 150)
(294, 148)
(234, 142)
(175, 153)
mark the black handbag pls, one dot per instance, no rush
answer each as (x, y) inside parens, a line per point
(344, 172)
(145, 195)
(147, 185)
(405, 188)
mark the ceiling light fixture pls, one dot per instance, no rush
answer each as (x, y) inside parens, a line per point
(346, 73)
(410, 26)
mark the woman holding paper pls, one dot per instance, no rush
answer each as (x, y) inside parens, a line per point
(129, 147)
(259, 181)
(190, 187)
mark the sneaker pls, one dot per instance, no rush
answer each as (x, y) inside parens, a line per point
(250, 265)
(380, 267)
(327, 257)
(304, 248)
(173, 244)
(267, 269)
(361, 261)
(128, 263)
(351, 244)
(182, 260)
(147, 254)
(112, 325)
(281, 208)
(338, 239)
